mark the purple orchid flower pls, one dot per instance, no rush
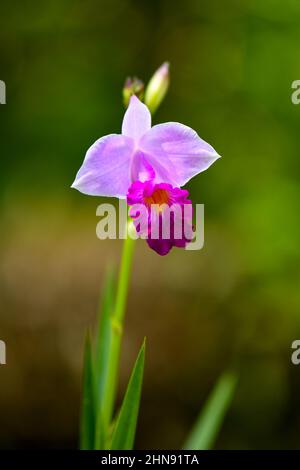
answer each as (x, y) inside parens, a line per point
(157, 198)
(145, 164)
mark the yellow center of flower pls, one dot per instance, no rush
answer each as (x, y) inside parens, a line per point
(159, 197)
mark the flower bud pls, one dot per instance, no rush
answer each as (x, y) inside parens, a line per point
(157, 87)
(132, 86)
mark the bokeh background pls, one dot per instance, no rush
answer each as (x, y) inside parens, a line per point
(234, 302)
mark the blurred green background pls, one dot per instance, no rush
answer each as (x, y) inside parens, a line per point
(234, 302)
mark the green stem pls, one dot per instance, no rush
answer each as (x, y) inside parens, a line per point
(123, 282)
(117, 320)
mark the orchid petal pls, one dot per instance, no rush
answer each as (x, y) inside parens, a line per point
(176, 152)
(137, 119)
(106, 167)
(141, 170)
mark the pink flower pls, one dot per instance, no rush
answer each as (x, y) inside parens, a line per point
(145, 157)
(162, 228)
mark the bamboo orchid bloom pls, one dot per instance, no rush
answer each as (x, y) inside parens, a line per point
(144, 163)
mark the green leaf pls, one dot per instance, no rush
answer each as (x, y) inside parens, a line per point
(211, 418)
(117, 320)
(103, 343)
(124, 431)
(87, 422)
(104, 331)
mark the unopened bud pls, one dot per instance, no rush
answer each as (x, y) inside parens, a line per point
(132, 86)
(157, 87)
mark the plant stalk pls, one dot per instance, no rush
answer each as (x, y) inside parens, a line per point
(117, 322)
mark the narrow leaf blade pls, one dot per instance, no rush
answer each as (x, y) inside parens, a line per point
(103, 342)
(87, 422)
(125, 428)
(211, 417)
(104, 330)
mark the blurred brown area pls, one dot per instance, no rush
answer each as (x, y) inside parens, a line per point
(234, 303)
(194, 308)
